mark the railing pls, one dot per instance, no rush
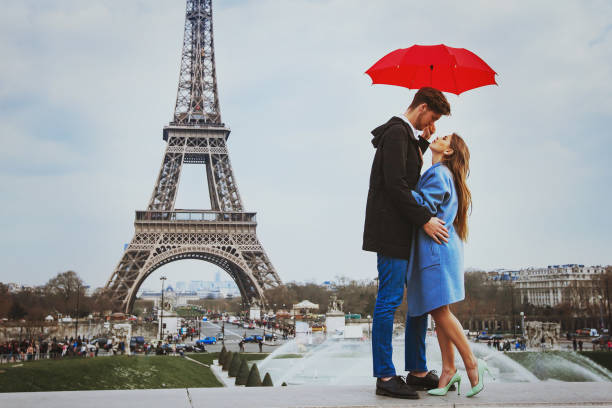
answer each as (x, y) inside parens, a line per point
(199, 216)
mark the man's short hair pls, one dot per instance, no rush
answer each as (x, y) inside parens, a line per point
(435, 100)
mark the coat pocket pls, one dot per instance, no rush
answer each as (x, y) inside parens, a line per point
(429, 252)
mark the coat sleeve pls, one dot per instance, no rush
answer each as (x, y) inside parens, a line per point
(423, 144)
(395, 150)
(435, 188)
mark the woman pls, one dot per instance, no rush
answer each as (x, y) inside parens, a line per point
(435, 272)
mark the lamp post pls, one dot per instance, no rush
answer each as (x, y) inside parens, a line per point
(369, 327)
(601, 325)
(76, 321)
(523, 323)
(161, 316)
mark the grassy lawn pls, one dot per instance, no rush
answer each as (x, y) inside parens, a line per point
(603, 358)
(105, 373)
(282, 356)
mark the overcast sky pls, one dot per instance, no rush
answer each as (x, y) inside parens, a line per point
(87, 86)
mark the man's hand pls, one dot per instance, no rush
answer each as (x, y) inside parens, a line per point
(436, 230)
(428, 131)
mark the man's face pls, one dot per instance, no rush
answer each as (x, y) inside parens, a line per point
(425, 117)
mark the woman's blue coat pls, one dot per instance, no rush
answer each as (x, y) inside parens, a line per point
(435, 271)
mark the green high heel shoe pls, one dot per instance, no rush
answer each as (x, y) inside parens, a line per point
(442, 391)
(482, 367)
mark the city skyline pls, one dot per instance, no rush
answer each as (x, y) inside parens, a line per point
(85, 98)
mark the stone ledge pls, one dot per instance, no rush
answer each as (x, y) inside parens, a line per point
(498, 395)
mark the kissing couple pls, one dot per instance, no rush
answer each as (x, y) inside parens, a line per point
(417, 226)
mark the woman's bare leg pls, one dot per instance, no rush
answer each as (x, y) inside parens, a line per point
(448, 358)
(447, 323)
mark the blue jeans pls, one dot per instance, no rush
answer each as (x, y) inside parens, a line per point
(391, 282)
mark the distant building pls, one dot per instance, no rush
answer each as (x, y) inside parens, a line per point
(573, 284)
(503, 275)
(16, 287)
(183, 292)
(171, 297)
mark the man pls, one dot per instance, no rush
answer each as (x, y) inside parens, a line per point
(392, 215)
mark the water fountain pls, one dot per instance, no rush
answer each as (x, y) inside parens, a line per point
(349, 362)
(335, 360)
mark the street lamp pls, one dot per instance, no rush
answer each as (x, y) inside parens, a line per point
(601, 325)
(76, 322)
(161, 316)
(523, 323)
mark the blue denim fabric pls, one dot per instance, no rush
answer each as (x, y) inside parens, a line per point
(414, 343)
(391, 282)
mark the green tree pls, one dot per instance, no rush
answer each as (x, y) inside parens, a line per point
(243, 373)
(235, 365)
(222, 355)
(228, 360)
(63, 289)
(267, 381)
(16, 311)
(5, 300)
(254, 379)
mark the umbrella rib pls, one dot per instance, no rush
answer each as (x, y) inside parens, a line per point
(454, 69)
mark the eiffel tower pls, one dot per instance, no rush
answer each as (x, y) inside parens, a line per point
(224, 235)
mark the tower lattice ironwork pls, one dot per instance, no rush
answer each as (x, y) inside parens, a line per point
(224, 235)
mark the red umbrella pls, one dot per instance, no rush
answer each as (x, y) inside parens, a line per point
(447, 69)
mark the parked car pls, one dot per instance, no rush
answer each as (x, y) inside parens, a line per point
(163, 349)
(317, 327)
(604, 337)
(253, 339)
(497, 337)
(251, 326)
(101, 342)
(199, 348)
(207, 340)
(483, 337)
(270, 336)
(587, 332)
(220, 336)
(137, 343)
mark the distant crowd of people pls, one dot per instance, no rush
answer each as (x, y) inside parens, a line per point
(506, 345)
(30, 349)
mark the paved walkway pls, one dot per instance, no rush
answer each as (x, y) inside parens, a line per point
(544, 394)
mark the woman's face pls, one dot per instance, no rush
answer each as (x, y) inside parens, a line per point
(442, 145)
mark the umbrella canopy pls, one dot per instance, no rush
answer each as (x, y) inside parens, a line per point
(447, 69)
(305, 304)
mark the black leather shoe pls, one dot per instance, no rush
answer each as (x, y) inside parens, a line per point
(429, 382)
(395, 388)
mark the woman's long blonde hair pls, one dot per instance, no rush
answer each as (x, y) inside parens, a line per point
(459, 164)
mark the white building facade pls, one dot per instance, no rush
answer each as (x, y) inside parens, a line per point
(574, 284)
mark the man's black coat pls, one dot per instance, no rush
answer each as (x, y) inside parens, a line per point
(392, 213)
